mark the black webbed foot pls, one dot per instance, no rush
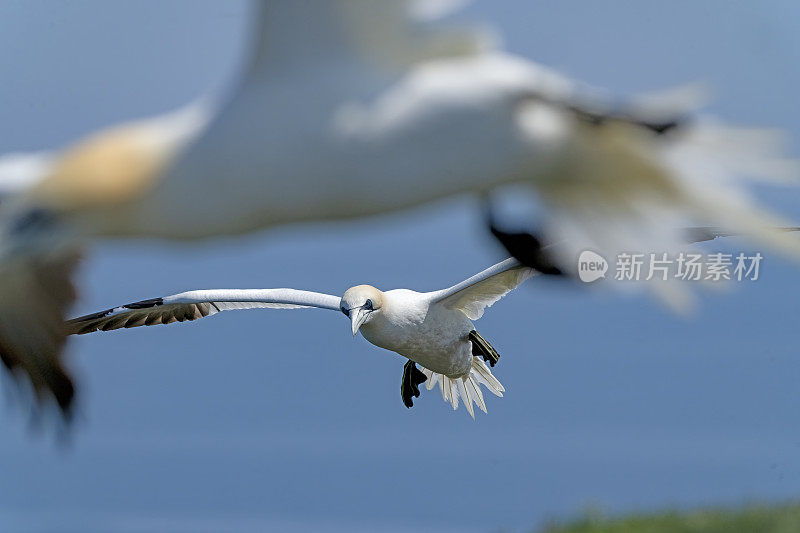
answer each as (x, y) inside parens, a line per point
(525, 247)
(482, 348)
(409, 386)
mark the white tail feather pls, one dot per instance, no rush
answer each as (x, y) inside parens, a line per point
(467, 388)
(628, 189)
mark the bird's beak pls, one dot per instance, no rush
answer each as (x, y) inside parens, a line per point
(358, 316)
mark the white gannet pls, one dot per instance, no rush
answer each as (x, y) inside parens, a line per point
(349, 108)
(433, 329)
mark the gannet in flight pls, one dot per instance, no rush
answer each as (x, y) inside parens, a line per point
(432, 329)
(350, 108)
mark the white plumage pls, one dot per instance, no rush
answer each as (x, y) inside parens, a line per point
(19, 171)
(433, 329)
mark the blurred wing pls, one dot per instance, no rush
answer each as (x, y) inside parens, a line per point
(197, 304)
(386, 33)
(36, 294)
(474, 295)
(709, 233)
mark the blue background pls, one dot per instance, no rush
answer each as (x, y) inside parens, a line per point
(281, 420)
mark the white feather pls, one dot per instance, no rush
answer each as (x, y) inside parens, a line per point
(467, 388)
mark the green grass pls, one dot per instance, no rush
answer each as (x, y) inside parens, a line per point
(755, 519)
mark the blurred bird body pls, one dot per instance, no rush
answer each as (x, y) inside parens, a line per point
(257, 162)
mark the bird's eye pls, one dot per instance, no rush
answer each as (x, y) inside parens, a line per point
(345, 311)
(368, 305)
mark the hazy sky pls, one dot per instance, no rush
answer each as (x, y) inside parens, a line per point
(281, 419)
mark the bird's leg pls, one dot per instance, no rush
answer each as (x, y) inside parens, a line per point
(525, 247)
(482, 348)
(409, 386)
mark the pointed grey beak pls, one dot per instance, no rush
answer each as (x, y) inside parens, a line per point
(358, 316)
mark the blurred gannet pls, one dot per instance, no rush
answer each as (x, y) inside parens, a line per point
(432, 329)
(350, 108)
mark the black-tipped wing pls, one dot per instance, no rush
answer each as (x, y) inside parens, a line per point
(197, 304)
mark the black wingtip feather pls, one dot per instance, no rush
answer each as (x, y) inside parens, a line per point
(659, 127)
(144, 304)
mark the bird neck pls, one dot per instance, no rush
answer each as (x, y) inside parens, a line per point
(119, 164)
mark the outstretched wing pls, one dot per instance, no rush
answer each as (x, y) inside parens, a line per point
(197, 304)
(474, 295)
